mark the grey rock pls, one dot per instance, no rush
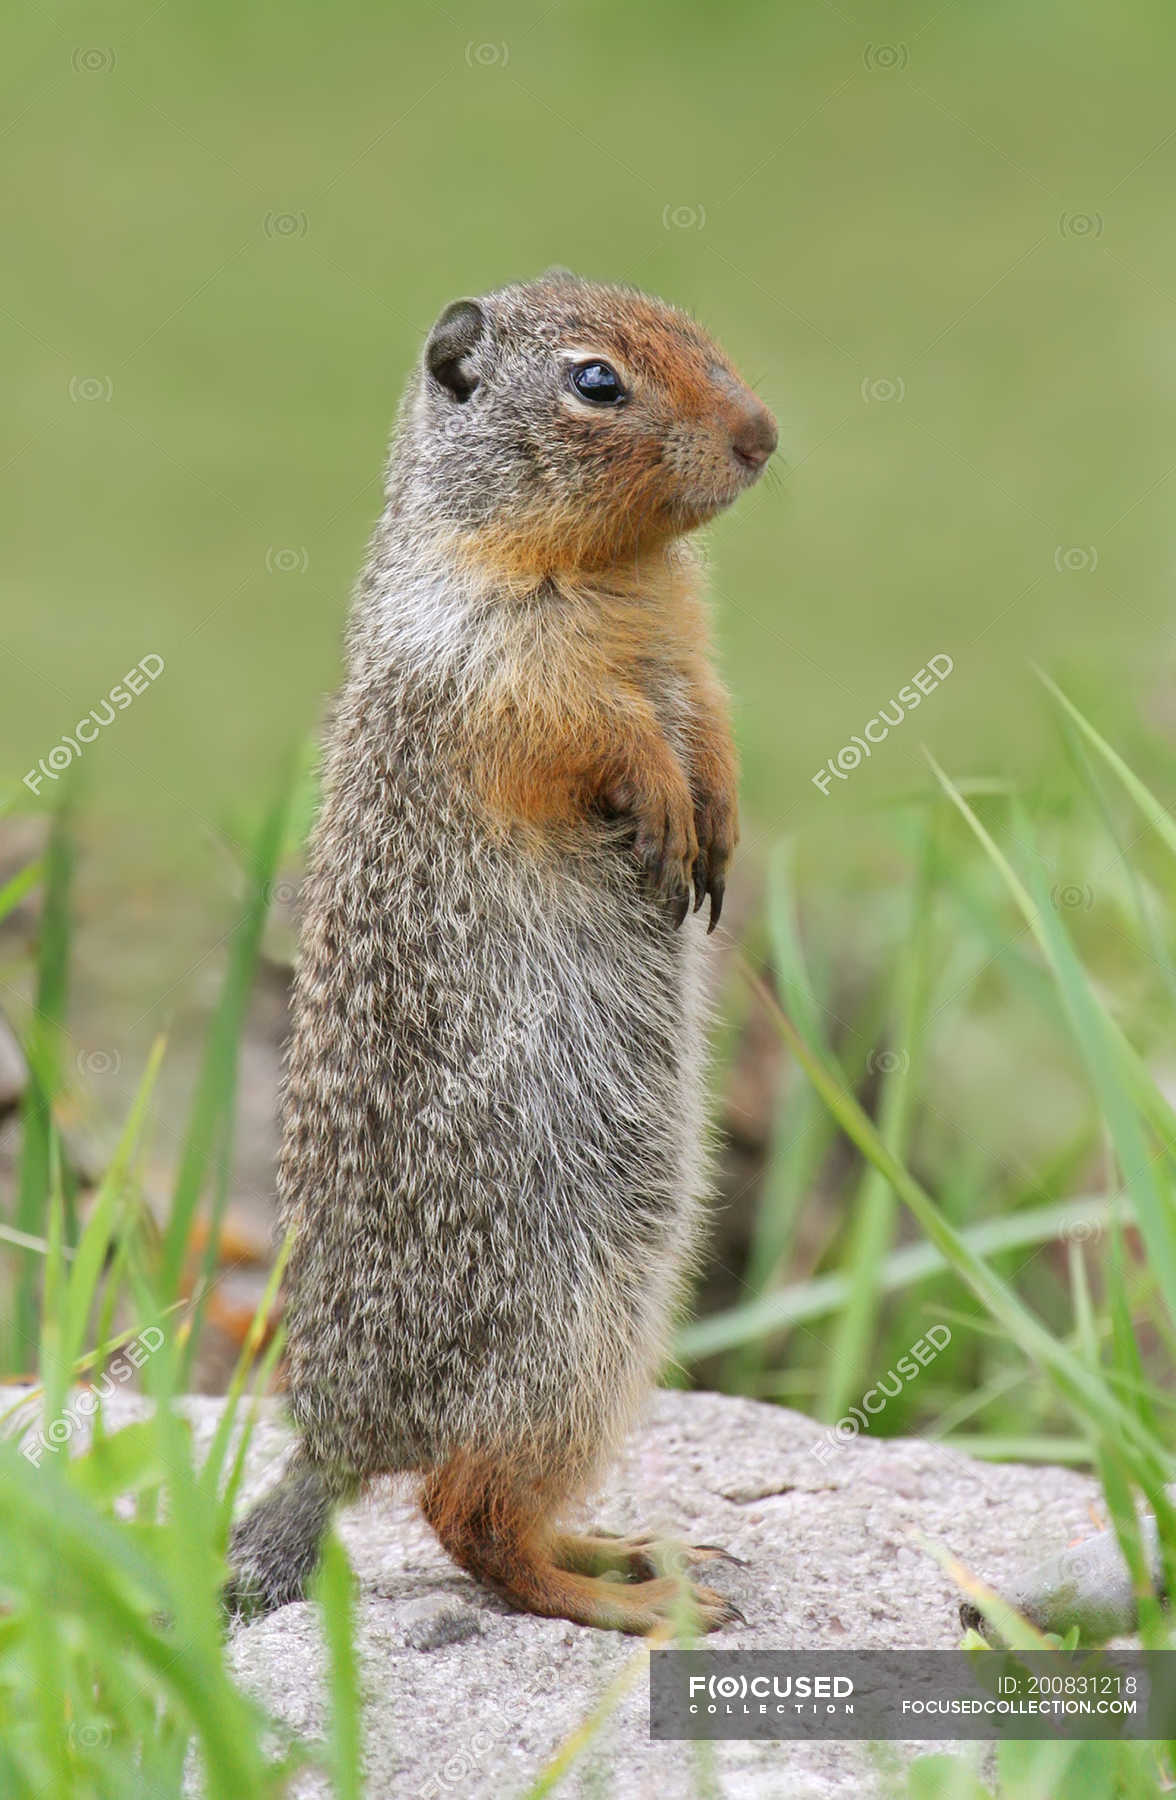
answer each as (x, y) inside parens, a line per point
(437, 1620)
(465, 1699)
(1088, 1585)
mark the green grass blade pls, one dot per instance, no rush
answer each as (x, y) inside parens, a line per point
(212, 1110)
(1100, 1049)
(1082, 1389)
(800, 1141)
(214, 1462)
(914, 1263)
(94, 1243)
(1073, 1451)
(53, 1288)
(334, 1594)
(19, 886)
(1146, 1094)
(874, 1209)
(788, 959)
(119, 1586)
(261, 1387)
(43, 1055)
(554, 1773)
(1157, 816)
(1143, 905)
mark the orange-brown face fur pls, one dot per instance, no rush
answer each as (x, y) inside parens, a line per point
(534, 479)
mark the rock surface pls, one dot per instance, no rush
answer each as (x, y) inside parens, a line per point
(466, 1700)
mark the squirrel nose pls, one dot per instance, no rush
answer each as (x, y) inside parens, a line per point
(754, 436)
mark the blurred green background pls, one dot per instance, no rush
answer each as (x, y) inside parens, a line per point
(935, 236)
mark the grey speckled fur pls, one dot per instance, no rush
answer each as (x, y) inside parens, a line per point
(493, 1149)
(493, 1156)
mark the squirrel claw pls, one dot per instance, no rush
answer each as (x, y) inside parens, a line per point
(718, 888)
(680, 906)
(740, 1562)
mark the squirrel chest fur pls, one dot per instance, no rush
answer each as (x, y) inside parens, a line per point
(493, 1154)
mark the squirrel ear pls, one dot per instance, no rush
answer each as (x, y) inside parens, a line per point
(452, 338)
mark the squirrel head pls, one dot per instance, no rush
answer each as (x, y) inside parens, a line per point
(561, 425)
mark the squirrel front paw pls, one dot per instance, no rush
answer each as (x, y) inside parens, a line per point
(717, 830)
(665, 842)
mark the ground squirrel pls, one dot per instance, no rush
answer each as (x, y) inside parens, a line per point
(493, 1155)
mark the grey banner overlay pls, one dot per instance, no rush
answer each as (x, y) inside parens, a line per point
(912, 1694)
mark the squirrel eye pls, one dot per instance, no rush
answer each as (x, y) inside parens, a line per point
(599, 383)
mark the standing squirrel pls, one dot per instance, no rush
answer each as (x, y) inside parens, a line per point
(493, 1157)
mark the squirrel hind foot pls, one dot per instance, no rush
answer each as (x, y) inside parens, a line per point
(274, 1550)
(600, 1553)
(499, 1532)
(634, 1559)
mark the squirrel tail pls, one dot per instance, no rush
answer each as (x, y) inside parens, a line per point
(274, 1550)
